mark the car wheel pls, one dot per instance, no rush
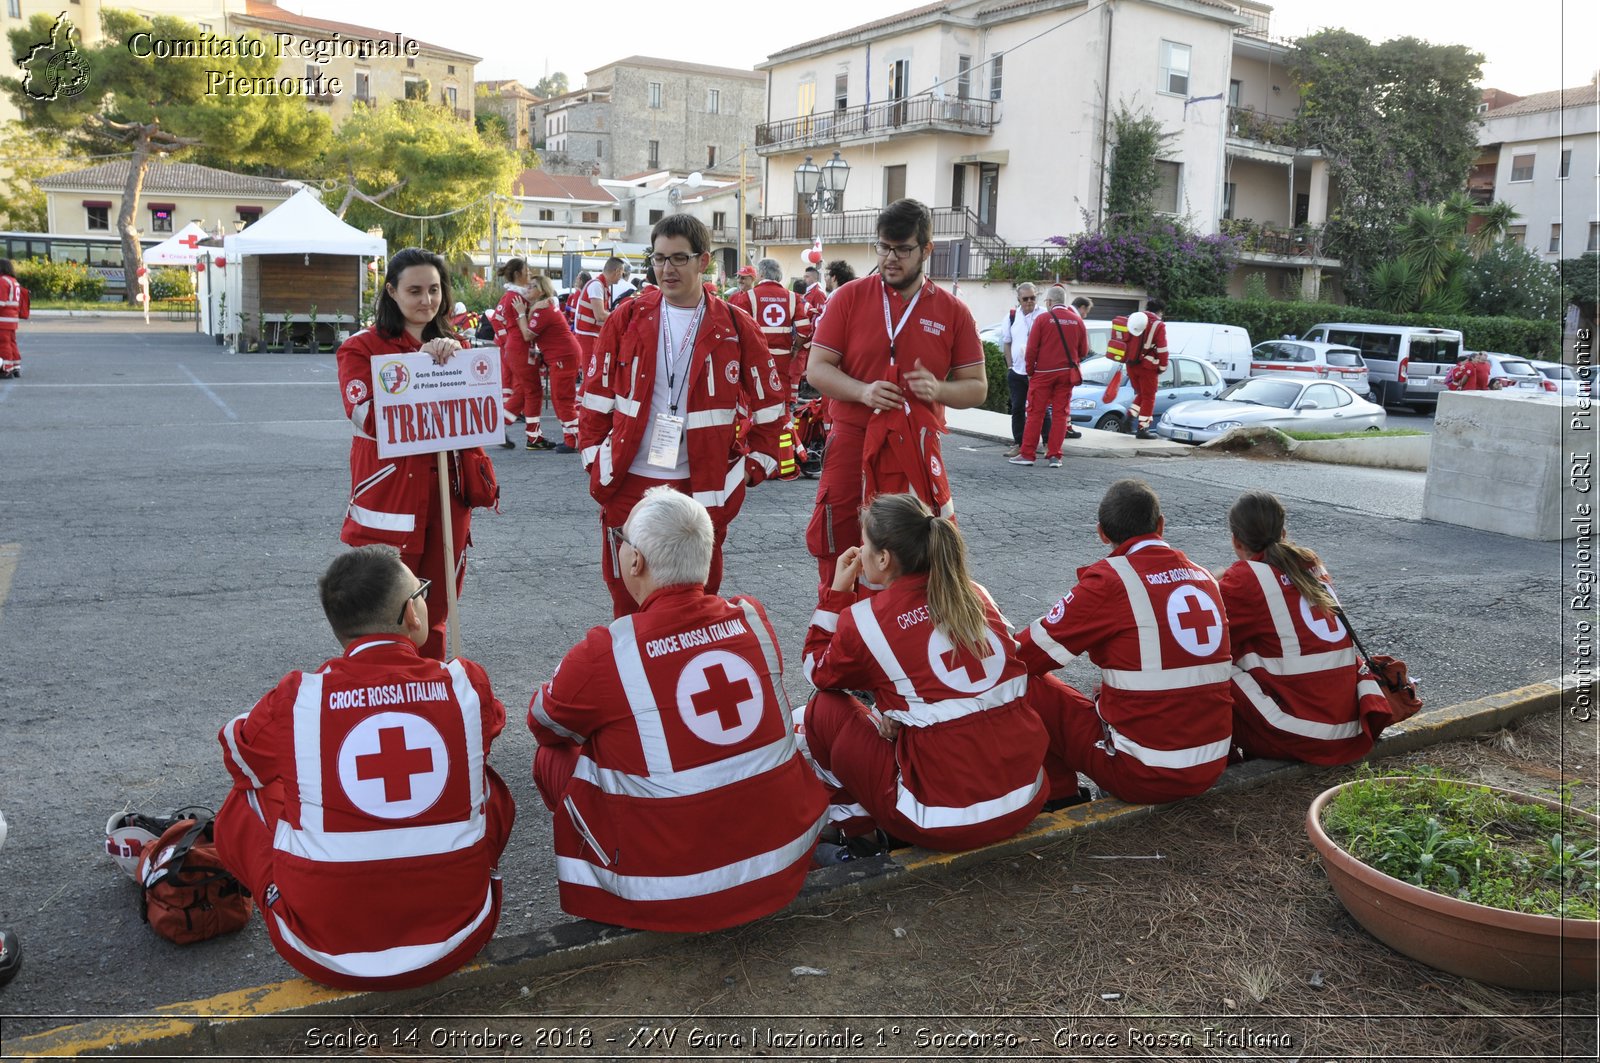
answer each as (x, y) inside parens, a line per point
(1373, 428)
(1112, 422)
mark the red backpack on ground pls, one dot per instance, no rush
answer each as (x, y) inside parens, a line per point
(185, 893)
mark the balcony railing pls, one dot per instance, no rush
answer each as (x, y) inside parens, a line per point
(912, 114)
(1300, 241)
(1246, 123)
(856, 227)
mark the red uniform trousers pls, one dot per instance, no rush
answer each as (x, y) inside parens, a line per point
(614, 514)
(244, 840)
(1052, 391)
(839, 495)
(527, 390)
(1143, 376)
(430, 564)
(586, 345)
(563, 373)
(843, 741)
(797, 369)
(10, 357)
(512, 396)
(1079, 741)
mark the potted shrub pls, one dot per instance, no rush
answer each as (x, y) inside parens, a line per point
(1486, 883)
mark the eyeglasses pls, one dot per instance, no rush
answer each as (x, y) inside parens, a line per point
(895, 250)
(616, 539)
(1027, 298)
(679, 259)
(422, 588)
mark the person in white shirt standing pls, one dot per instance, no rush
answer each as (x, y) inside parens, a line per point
(1014, 342)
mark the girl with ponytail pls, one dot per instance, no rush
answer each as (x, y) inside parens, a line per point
(1298, 693)
(949, 755)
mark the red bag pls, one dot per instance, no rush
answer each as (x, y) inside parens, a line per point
(478, 485)
(185, 893)
(1117, 345)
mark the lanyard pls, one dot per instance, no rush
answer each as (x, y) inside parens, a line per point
(890, 327)
(685, 346)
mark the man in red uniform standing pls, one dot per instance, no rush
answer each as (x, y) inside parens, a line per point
(781, 315)
(681, 800)
(594, 306)
(10, 315)
(673, 371)
(364, 817)
(1153, 621)
(892, 351)
(1147, 357)
(1057, 344)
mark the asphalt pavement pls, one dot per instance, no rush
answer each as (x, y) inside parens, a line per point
(166, 509)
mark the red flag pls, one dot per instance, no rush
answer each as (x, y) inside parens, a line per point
(1112, 387)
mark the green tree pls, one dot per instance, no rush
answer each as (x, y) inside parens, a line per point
(1438, 251)
(156, 106)
(1508, 280)
(1133, 178)
(1580, 281)
(416, 158)
(551, 85)
(27, 155)
(1397, 123)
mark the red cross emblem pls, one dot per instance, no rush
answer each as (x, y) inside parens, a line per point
(720, 697)
(1195, 620)
(192, 241)
(959, 668)
(963, 658)
(1323, 623)
(393, 765)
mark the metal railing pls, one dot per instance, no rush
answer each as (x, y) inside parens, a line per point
(1246, 123)
(950, 114)
(861, 227)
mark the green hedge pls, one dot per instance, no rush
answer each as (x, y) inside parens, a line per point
(999, 397)
(171, 282)
(1267, 319)
(60, 280)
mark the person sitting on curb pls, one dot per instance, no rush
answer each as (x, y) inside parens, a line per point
(951, 755)
(364, 817)
(1297, 689)
(1153, 621)
(680, 799)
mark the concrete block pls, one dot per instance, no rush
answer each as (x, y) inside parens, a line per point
(1505, 465)
(1378, 452)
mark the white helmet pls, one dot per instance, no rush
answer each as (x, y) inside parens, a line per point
(1138, 321)
(459, 308)
(126, 836)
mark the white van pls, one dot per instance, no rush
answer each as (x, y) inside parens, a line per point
(1405, 364)
(1227, 347)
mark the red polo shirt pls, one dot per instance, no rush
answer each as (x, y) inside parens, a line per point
(940, 333)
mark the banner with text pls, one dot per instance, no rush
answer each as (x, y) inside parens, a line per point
(422, 408)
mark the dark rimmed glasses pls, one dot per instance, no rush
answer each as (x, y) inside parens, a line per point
(422, 588)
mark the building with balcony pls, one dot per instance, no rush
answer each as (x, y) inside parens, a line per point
(1538, 153)
(87, 202)
(999, 117)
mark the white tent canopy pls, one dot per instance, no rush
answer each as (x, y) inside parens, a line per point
(302, 225)
(179, 249)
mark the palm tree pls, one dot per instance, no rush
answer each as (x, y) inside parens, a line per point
(1495, 222)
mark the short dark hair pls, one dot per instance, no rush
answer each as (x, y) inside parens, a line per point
(613, 263)
(363, 591)
(906, 219)
(1155, 306)
(1081, 303)
(1129, 509)
(6, 268)
(812, 269)
(840, 271)
(388, 319)
(687, 226)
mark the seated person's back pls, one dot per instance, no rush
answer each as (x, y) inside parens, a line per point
(680, 799)
(364, 817)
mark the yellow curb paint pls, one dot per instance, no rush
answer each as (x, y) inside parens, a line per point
(10, 554)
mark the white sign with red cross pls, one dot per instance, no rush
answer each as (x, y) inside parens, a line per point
(422, 408)
(1195, 621)
(720, 697)
(960, 669)
(393, 765)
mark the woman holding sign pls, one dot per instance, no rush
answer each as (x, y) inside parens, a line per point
(396, 500)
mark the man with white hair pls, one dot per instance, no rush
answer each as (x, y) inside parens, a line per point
(780, 313)
(1014, 345)
(680, 798)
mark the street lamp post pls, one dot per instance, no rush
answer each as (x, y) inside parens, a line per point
(822, 188)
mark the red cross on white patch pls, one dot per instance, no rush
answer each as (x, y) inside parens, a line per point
(1195, 621)
(960, 669)
(720, 697)
(1325, 627)
(356, 391)
(393, 765)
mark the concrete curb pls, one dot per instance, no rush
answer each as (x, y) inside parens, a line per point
(206, 1025)
(996, 427)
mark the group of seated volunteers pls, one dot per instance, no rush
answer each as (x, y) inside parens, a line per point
(367, 823)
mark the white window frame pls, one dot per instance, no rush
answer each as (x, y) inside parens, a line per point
(1177, 186)
(1532, 157)
(713, 101)
(996, 72)
(963, 77)
(655, 96)
(1171, 51)
(841, 90)
(1555, 238)
(1564, 171)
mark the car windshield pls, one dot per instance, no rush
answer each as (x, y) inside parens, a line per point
(1097, 370)
(1345, 356)
(1556, 372)
(1516, 367)
(1263, 391)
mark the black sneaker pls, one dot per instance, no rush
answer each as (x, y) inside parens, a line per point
(562, 448)
(1144, 433)
(539, 443)
(1073, 433)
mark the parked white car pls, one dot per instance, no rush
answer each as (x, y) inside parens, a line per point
(1562, 376)
(1310, 405)
(1226, 347)
(1302, 359)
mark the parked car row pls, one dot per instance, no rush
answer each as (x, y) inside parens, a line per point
(1309, 405)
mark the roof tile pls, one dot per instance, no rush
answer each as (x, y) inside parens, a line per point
(168, 177)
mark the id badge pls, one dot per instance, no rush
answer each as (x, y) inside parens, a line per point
(664, 441)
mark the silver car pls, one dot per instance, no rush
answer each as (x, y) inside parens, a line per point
(1562, 376)
(1291, 405)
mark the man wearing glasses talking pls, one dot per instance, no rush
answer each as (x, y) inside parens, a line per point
(671, 370)
(891, 352)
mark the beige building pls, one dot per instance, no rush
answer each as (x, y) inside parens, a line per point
(516, 106)
(1539, 154)
(87, 202)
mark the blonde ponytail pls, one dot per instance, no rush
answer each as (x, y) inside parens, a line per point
(1257, 521)
(952, 603)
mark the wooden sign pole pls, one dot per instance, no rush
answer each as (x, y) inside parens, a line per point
(452, 619)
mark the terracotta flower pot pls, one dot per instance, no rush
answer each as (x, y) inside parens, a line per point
(1491, 945)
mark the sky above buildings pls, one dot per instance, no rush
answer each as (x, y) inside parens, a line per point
(1525, 44)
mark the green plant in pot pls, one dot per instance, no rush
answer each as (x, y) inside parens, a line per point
(1487, 883)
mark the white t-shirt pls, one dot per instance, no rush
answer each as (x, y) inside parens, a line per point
(671, 380)
(1016, 331)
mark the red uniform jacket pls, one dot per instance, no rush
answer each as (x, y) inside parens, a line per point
(513, 347)
(1045, 353)
(556, 343)
(691, 807)
(10, 303)
(583, 321)
(1154, 623)
(381, 862)
(388, 496)
(970, 749)
(783, 317)
(1296, 689)
(816, 298)
(730, 371)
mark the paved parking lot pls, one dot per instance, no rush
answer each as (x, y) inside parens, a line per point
(165, 510)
